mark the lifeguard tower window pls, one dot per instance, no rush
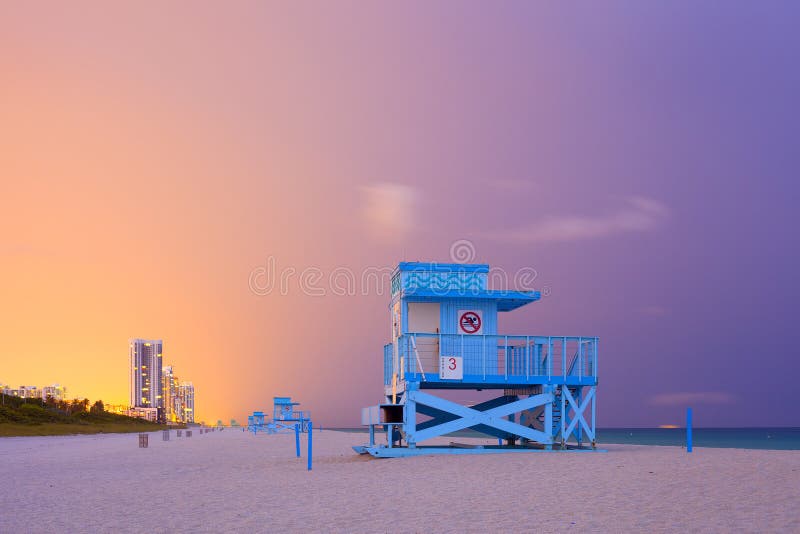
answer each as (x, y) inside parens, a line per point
(423, 317)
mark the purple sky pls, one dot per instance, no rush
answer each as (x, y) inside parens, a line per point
(641, 157)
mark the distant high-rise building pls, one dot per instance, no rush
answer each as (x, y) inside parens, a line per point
(25, 392)
(145, 373)
(56, 392)
(169, 392)
(186, 394)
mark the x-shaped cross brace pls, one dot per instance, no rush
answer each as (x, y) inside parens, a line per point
(468, 417)
(579, 410)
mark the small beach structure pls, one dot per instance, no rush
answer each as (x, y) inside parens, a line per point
(444, 338)
(285, 417)
(257, 422)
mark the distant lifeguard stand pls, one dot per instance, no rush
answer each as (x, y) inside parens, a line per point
(444, 337)
(256, 422)
(285, 417)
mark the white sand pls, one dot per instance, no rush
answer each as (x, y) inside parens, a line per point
(233, 481)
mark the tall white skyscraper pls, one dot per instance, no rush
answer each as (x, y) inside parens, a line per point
(145, 373)
(169, 393)
(186, 393)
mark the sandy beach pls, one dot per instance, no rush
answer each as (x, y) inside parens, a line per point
(234, 481)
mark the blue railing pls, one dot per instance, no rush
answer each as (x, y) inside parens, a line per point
(496, 358)
(387, 364)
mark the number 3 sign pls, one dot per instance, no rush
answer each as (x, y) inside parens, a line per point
(451, 368)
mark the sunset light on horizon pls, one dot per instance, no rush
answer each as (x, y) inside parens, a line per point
(239, 181)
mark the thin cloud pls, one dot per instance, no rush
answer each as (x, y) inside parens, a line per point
(388, 209)
(641, 214)
(655, 311)
(690, 398)
(512, 184)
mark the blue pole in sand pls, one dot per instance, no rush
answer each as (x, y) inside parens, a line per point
(297, 440)
(310, 433)
(688, 430)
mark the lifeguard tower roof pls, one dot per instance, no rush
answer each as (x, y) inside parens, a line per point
(442, 267)
(434, 282)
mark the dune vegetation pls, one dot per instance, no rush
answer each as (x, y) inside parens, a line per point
(32, 417)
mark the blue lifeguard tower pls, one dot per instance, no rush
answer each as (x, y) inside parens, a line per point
(256, 422)
(285, 416)
(444, 337)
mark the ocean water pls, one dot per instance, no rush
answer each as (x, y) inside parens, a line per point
(738, 438)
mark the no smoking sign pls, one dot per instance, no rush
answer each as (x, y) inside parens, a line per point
(470, 321)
